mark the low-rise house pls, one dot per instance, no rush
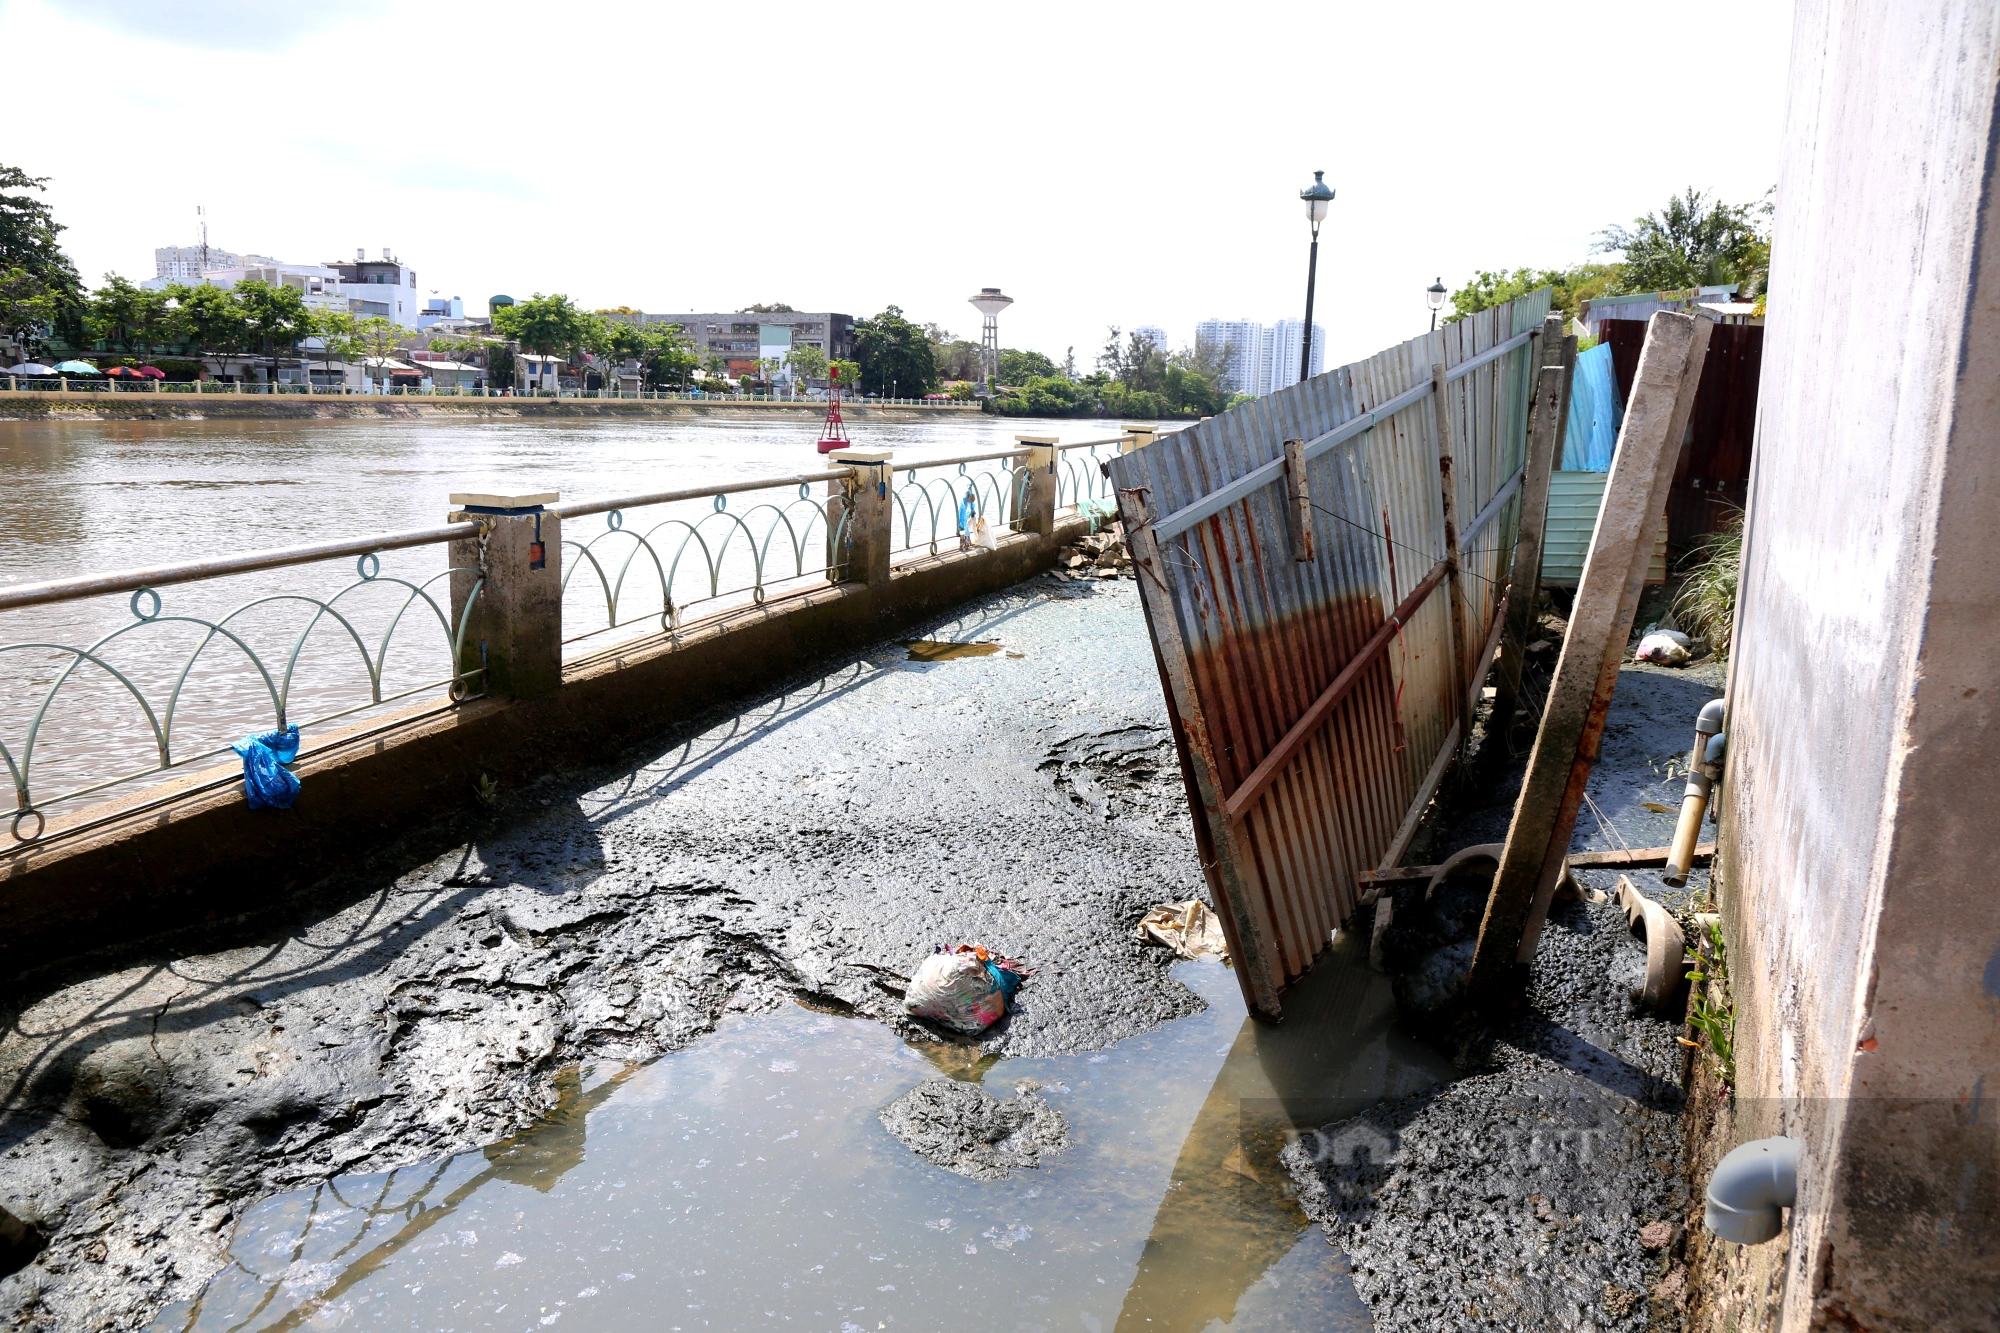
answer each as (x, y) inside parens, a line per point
(535, 373)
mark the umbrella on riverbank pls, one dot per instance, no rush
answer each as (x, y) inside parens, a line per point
(76, 368)
(123, 373)
(152, 372)
(29, 368)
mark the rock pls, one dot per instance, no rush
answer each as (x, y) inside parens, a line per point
(962, 1128)
(1656, 1235)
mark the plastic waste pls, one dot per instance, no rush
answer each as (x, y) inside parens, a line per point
(1665, 647)
(267, 784)
(985, 536)
(966, 988)
(1188, 928)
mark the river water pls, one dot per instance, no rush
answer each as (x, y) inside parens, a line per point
(747, 1182)
(96, 497)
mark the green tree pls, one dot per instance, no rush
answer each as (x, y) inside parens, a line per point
(1571, 287)
(894, 355)
(27, 308)
(112, 314)
(850, 375)
(30, 240)
(380, 338)
(339, 335)
(1696, 240)
(807, 362)
(551, 325)
(1020, 367)
(1138, 363)
(210, 318)
(275, 318)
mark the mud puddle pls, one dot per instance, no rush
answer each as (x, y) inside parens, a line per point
(940, 650)
(747, 1182)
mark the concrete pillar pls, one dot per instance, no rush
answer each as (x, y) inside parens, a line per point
(866, 501)
(512, 552)
(1138, 434)
(1042, 483)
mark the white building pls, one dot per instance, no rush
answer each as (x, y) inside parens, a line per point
(1157, 334)
(186, 263)
(1285, 349)
(366, 288)
(1249, 347)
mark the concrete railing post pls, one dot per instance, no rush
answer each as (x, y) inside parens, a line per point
(512, 552)
(1041, 465)
(1138, 435)
(866, 503)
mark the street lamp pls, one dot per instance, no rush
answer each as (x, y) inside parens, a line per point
(1318, 197)
(1435, 295)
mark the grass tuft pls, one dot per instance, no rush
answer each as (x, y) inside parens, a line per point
(1705, 606)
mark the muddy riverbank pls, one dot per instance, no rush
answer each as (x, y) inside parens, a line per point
(806, 850)
(815, 845)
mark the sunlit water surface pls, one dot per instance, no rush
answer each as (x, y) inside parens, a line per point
(747, 1182)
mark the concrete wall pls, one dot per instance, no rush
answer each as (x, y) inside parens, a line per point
(1857, 877)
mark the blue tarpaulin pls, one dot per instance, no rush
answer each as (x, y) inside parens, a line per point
(1595, 413)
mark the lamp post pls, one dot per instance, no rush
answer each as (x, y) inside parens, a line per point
(1435, 295)
(1318, 196)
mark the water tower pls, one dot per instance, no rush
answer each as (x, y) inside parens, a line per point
(989, 303)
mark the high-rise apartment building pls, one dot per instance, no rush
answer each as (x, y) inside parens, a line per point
(1285, 348)
(1262, 358)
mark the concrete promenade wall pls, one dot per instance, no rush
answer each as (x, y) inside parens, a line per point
(199, 857)
(38, 405)
(1860, 800)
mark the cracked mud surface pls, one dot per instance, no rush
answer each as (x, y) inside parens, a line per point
(815, 845)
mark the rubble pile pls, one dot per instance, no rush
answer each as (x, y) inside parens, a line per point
(1098, 555)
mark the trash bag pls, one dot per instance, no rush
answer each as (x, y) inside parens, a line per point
(967, 989)
(267, 784)
(985, 536)
(1664, 647)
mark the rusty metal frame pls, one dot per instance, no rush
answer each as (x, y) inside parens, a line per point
(1312, 726)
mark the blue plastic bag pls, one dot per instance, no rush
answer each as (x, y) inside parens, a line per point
(968, 509)
(266, 782)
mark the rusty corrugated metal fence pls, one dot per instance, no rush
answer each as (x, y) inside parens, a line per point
(1317, 702)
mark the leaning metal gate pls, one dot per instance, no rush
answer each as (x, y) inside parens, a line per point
(1318, 689)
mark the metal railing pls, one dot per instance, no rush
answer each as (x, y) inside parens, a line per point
(97, 695)
(137, 666)
(709, 559)
(1080, 472)
(938, 499)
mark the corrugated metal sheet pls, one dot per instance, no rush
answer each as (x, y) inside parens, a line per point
(1574, 499)
(1310, 725)
(1712, 475)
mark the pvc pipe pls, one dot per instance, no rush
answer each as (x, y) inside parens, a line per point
(1750, 1189)
(1702, 774)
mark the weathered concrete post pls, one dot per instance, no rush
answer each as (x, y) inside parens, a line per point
(512, 552)
(1042, 483)
(1138, 434)
(867, 506)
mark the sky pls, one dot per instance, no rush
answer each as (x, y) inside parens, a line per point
(1103, 164)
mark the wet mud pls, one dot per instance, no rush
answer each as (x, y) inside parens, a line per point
(962, 1127)
(1540, 1188)
(813, 846)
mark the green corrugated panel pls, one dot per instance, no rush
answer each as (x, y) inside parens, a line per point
(1574, 499)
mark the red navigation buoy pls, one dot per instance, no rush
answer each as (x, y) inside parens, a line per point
(833, 435)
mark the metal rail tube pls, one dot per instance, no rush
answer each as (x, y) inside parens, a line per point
(579, 508)
(91, 585)
(914, 464)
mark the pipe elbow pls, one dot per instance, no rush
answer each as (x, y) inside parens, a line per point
(1751, 1188)
(1709, 720)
